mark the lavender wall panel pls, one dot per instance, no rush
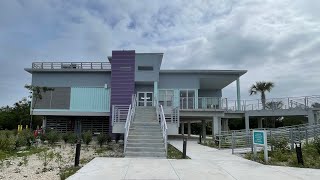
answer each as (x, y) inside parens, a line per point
(122, 78)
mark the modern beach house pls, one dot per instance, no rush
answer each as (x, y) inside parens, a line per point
(132, 95)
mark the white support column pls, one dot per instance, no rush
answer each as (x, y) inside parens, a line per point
(189, 128)
(196, 100)
(216, 125)
(44, 123)
(311, 117)
(260, 123)
(238, 95)
(182, 128)
(204, 129)
(247, 123)
(155, 90)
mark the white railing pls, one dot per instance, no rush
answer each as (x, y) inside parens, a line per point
(127, 127)
(130, 118)
(218, 103)
(305, 102)
(162, 119)
(164, 127)
(120, 113)
(71, 65)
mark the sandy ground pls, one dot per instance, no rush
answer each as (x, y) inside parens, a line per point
(14, 168)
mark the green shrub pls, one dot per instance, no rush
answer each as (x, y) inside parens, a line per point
(279, 156)
(7, 133)
(7, 143)
(69, 137)
(46, 157)
(67, 172)
(316, 144)
(103, 138)
(52, 137)
(87, 137)
(65, 137)
(24, 138)
(72, 138)
(280, 144)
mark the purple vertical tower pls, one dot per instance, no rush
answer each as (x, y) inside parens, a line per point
(122, 79)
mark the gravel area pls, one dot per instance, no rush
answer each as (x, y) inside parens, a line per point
(31, 167)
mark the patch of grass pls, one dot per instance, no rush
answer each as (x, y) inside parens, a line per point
(282, 157)
(174, 153)
(67, 172)
(209, 144)
(28, 152)
(84, 161)
(102, 150)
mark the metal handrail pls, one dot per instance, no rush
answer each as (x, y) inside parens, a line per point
(127, 127)
(163, 123)
(164, 128)
(130, 118)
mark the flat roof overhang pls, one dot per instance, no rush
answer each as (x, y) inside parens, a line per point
(210, 79)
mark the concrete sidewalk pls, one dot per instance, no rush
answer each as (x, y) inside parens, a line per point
(205, 163)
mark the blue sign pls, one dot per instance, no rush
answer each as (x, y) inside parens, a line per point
(259, 137)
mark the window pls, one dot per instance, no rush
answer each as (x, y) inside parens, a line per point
(187, 99)
(145, 68)
(166, 97)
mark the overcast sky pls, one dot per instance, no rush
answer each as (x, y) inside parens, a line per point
(275, 40)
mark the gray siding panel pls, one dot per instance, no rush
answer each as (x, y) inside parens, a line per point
(61, 98)
(71, 79)
(153, 60)
(209, 93)
(178, 81)
(43, 103)
(143, 88)
(57, 99)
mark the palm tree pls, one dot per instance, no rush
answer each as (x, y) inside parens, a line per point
(262, 87)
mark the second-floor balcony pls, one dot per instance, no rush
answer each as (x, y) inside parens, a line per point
(217, 103)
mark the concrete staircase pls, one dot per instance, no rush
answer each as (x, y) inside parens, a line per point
(145, 136)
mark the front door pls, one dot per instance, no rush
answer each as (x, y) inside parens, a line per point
(145, 98)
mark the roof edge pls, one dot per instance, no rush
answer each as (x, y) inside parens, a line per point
(203, 71)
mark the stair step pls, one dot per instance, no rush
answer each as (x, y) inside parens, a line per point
(155, 145)
(154, 127)
(144, 149)
(147, 123)
(143, 137)
(149, 133)
(145, 119)
(145, 140)
(145, 130)
(146, 154)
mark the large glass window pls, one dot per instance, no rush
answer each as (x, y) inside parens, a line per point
(166, 97)
(187, 99)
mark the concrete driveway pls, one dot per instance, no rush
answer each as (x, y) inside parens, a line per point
(205, 163)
